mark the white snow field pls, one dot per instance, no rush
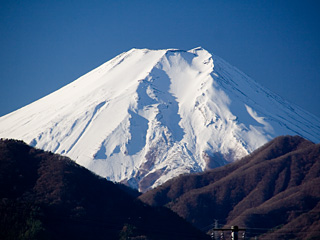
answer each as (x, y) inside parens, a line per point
(147, 116)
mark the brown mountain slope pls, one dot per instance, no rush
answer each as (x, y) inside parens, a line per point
(46, 196)
(273, 191)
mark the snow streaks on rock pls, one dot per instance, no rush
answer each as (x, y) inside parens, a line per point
(149, 115)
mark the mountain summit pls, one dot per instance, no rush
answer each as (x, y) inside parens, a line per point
(149, 115)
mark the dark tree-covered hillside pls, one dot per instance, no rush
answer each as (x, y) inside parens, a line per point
(274, 192)
(47, 196)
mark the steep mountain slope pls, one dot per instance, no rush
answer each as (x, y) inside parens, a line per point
(274, 192)
(147, 116)
(46, 196)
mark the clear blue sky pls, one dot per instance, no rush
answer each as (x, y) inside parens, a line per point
(45, 45)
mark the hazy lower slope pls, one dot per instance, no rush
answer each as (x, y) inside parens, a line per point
(274, 192)
(147, 116)
(46, 196)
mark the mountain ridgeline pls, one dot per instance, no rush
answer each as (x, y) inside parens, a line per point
(273, 193)
(48, 196)
(147, 116)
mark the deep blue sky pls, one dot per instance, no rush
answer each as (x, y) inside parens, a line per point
(45, 45)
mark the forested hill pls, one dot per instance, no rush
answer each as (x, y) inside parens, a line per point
(274, 192)
(47, 196)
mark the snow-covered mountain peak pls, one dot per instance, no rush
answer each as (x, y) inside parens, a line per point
(149, 115)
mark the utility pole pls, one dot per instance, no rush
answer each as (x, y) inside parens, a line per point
(216, 237)
(234, 231)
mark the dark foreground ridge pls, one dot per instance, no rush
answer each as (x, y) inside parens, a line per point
(274, 193)
(47, 196)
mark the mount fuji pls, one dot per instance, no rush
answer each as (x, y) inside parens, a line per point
(147, 116)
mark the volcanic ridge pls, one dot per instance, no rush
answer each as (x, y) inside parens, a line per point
(147, 116)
